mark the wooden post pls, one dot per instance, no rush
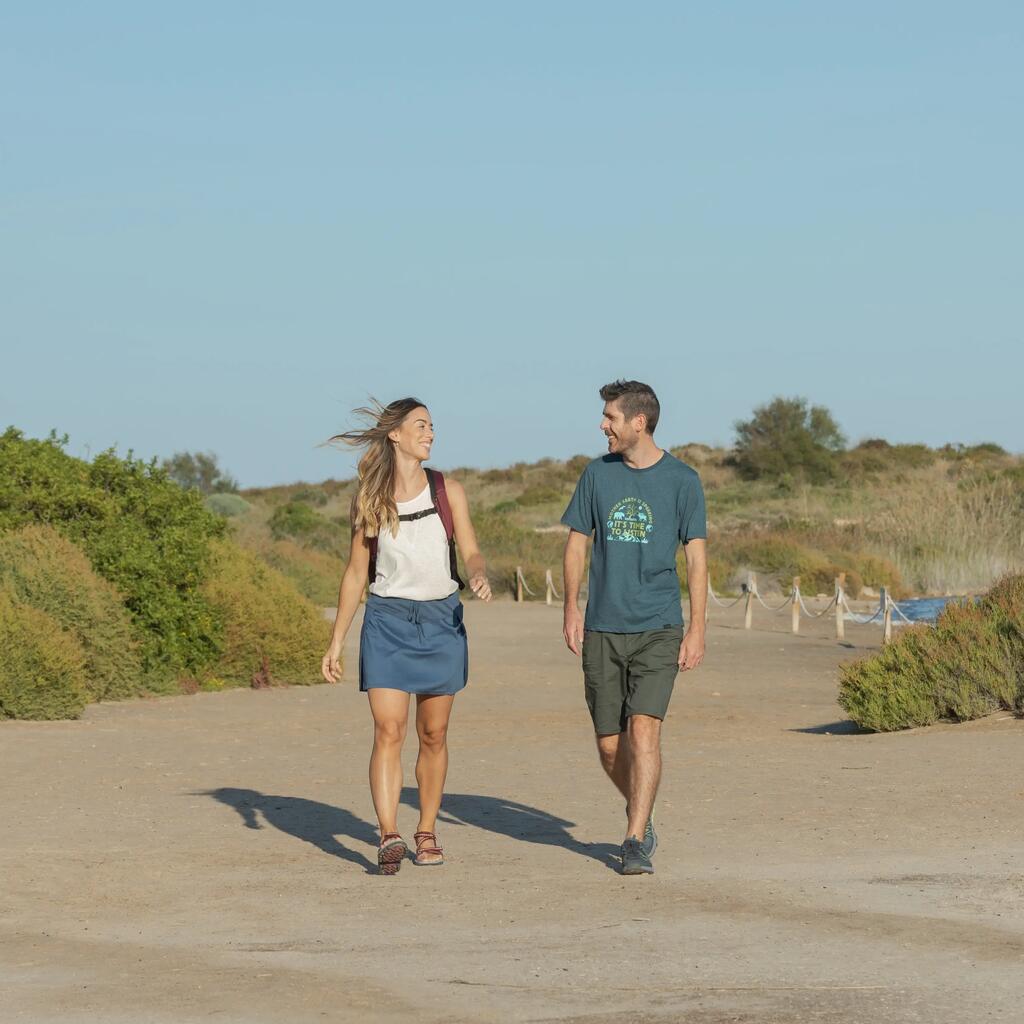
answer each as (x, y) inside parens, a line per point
(840, 619)
(796, 604)
(550, 587)
(519, 584)
(886, 616)
(748, 612)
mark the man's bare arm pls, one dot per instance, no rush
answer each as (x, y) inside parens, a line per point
(691, 652)
(572, 575)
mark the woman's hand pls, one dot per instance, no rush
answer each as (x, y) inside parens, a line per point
(479, 585)
(330, 666)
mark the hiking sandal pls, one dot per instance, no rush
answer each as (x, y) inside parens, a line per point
(430, 851)
(391, 853)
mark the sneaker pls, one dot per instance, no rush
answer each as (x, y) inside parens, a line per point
(650, 839)
(634, 860)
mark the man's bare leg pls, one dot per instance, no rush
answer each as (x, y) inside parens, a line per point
(614, 753)
(643, 741)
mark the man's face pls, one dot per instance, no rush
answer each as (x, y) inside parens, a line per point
(622, 434)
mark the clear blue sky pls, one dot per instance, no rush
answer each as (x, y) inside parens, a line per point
(224, 225)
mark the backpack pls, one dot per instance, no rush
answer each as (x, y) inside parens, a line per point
(439, 500)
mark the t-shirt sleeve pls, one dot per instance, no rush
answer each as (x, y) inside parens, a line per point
(693, 522)
(579, 515)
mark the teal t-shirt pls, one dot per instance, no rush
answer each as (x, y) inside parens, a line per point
(638, 518)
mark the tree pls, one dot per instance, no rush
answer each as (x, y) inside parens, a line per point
(199, 470)
(785, 437)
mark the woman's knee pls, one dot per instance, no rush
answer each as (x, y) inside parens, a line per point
(433, 737)
(389, 732)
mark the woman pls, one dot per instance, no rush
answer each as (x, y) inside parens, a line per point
(406, 521)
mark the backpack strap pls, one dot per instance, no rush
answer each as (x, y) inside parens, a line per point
(439, 496)
(372, 574)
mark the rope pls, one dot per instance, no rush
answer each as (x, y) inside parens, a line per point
(896, 608)
(723, 604)
(550, 580)
(861, 619)
(522, 579)
(816, 615)
(778, 607)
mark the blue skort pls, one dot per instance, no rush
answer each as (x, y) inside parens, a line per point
(415, 646)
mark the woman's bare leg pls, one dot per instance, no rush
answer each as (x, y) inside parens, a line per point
(432, 715)
(390, 710)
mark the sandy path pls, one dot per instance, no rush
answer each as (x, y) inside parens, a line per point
(205, 858)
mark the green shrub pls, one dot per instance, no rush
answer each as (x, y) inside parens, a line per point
(786, 438)
(969, 664)
(140, 530)
(48, 572)
(783, 558)
(42, 670)
(505, 545)
(297, 521)
(199, 470)
(310, 495)
(540, 494)
(227, 505)
(316, 574)
(265, 622)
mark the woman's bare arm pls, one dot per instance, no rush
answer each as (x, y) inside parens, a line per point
(350, 593)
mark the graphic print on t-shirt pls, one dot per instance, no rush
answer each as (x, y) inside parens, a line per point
(630, 520)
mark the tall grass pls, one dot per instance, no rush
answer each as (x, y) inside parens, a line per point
(953, 535)
(914, 519)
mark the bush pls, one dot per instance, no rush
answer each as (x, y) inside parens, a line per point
(45, 570)
(969, 664)
(199, 471)
(783, 558)
(316, 575)
(294, 519)
(310, 495)
(227, 505)
(42, 671)
(785, 438)
(267, 626)
(297, 521)
(540, 494)
(140, 530)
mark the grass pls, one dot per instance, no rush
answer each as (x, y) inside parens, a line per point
(915, 519)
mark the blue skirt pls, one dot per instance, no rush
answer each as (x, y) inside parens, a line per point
(415, 646)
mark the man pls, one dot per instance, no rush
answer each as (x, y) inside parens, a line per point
(639, 502)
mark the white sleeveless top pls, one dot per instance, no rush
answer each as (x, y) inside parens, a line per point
(414, 565)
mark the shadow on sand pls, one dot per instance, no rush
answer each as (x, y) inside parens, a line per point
(320, 824)
(843, 728)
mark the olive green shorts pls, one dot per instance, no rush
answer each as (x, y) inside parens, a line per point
(629, 674)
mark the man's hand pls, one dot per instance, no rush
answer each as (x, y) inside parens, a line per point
(691, 650)
(572, 629)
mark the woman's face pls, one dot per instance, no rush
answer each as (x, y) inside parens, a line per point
(415, 436)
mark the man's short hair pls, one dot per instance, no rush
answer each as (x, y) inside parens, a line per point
(635, 399)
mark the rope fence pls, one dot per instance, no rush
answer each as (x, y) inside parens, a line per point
(838, 605)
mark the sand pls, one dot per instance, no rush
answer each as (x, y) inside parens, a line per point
(208, 858)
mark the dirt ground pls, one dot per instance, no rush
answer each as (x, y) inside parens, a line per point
(208, 858)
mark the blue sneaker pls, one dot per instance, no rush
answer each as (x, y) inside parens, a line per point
(634, 860)
(650, 839)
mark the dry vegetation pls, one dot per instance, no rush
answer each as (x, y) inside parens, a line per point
(915, 519)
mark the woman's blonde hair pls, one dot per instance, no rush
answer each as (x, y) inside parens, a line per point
(373, 508)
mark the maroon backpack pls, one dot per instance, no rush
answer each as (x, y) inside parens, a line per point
(440, 506)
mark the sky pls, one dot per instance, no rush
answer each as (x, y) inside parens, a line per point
(224, 226)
